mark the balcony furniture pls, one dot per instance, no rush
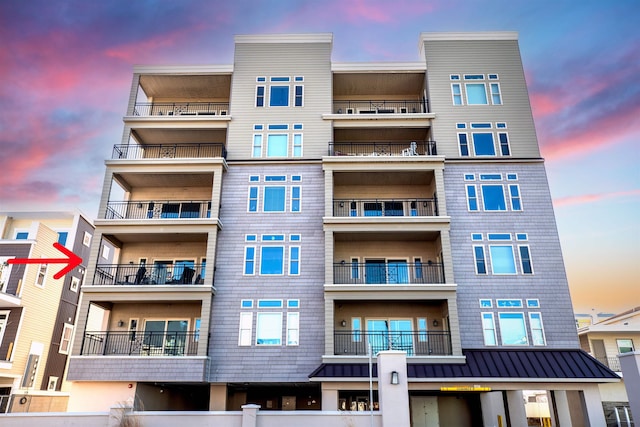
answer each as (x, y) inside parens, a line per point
(382, 148)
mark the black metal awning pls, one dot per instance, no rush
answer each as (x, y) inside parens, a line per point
(492, 364)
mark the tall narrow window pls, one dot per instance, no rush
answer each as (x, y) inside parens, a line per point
(514, 194)
(481, 265)
(456, 92)
(464, 144)
(293, 328)
(42, 272)
(249, 260)
(257, 146)
(537, 331)
(62, 237)
(472, 198)
(297, 145)
(260, 96)
(489, 329)
(504, 144)
(496, 99)
(295, 199)
(246, 321)
(294, 260)
(355, 268)
(525, 260)
(356, 329)
(253, 199)
(422, 329)
(298, 95)
(65, 340)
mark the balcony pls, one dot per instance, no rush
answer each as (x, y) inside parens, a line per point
(355, 343)
(385, 207)
(168, 151)
(389, 272)
(181, 109)
(153, 209)
(108, 343)
(612, 363)
(380, 107)
(158, 274)
(405, 149)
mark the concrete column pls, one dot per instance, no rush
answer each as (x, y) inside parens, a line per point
(593, 406)
(493, 414)
(517, 413)
(630, 365)
(562, 410)
(118, 415)
(329, 399)
(394, 398)
(250, 415)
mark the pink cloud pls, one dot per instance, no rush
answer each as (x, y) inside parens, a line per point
(593, 198)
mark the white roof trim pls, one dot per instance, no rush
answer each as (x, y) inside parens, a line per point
(464, 36)
(285, 38)
(183, 69)
(372, 67)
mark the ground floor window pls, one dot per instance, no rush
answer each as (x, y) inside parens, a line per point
(357, 400)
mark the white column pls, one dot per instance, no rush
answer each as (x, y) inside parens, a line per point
(563, 411)
(630, 365)
(493, 414)
(517, 413)
(394, 398)
(593, 405)
(250, 415)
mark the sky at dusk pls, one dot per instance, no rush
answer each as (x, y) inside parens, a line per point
(66, 69)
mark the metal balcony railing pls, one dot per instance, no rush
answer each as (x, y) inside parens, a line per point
(381, 107)
(355, 343)
(154, 209)
(181, 109)
(109, 343)
(385, 207)
(388, 148)
(149, 274)
(612, 363)
(389, 273)
(168, 151)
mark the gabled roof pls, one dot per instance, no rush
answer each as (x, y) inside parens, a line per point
(493, 364)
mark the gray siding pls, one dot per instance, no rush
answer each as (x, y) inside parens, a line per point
(548, 283)
(461, 57)
(105, 368)
(229, 361)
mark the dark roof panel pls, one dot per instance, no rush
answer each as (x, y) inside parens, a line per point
(492, 363)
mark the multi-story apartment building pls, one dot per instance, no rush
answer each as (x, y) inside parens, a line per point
(278, 219)
(37, 311)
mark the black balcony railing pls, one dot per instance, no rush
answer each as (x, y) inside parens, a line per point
(389, 273)
(385, 207)
(149, 274)
(181, 109)
(168, 151)
(356, 343)
(612, 363)
(380, 107)
(154, 209)
(108, 343)
(390, 148)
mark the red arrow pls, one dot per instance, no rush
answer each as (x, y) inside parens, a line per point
(72, 260)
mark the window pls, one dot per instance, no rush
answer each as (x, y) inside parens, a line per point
(279, 96)
(253, 199)
(65, 341)
(246, 303)
(297, 145)
(625, 345)
(4, 318)
(42, 272)
(53, 382)
(298, 96)
(486, 303)
(472, 199)
(277, 145)
(504, 144)
(493, 198)
(476, 93)
(22, 235)
(246, 321)
(422, 330)
(356, 328)
(86, 240)
(272, 260)
(496, 99)
(355, 268)
(105, 251)
(456, 92)
(513, 330)
(249, 260)
(295, 199)
(533, 303)
(483, 139)
(294, 260)
(489, 329)
(525, 260)
(481, 266)
(537, 331)
(509, 303)
(269, 329)
(475, 88)
(257, 146)
(502, 260)
(62, 237)
(269, 303)
(464, 144)
(293, 328)
(274, 199)
(260, 96)
(483, 144)
(514, 194)
(75, 284)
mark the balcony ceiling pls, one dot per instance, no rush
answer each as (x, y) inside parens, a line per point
(382, 179)
(377, 85)
(139, 180)
(154, 237)
(177, 136)
(386, 237)
(381, 134)
(187, 86)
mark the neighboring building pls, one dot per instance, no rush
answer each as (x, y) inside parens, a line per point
(605, 340)
(333, 222)
(584, 319)
(38, 312)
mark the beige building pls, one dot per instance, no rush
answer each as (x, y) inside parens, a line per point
(37, 311)
(605, 340)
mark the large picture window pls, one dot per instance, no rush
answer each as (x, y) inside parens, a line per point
(269, 329)
(277, 145)
(279, 96)
(274, 198)
(272, 260)
(513, 330)
(493, 198)
(502, 259)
